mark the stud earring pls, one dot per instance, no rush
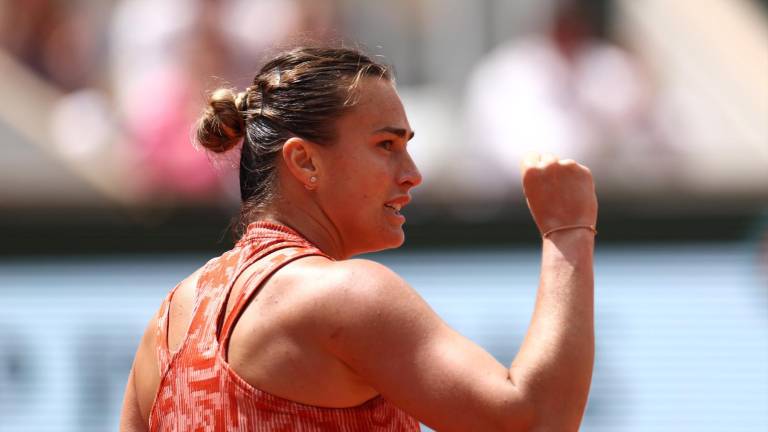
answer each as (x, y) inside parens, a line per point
(312, 180)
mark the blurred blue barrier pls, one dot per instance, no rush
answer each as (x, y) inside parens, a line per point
(682, 331)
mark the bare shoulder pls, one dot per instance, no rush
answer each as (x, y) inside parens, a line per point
(359, 270)
(372, 320)
(364, 279)
(359, 298)
(375, 291)
(354, 286)
(353, 295)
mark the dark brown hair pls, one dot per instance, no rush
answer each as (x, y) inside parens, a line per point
(300, 93)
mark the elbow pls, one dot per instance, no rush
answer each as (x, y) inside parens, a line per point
(535, 420)
(546, 418)
(552, 401)
(548, 412)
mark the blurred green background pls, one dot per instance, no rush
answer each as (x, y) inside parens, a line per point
(105, 203)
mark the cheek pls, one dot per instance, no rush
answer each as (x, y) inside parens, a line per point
(359, 185)
(363, 179)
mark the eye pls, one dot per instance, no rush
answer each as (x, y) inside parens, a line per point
(387, 145)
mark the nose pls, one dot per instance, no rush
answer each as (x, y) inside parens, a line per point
(410, 174)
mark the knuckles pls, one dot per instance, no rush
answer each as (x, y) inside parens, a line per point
(558, 192)
(552, 171)
(555, 168)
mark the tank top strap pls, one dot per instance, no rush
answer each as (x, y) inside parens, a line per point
(267, 245)
(267, 266)
(215, 284)
(215, 280)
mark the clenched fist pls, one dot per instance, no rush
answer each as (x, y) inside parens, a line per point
(560, 193)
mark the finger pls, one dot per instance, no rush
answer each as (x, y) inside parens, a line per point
(547, 159)
(531, 159)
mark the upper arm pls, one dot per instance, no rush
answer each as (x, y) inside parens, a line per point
(387, 334)
(131, 419)
(143, 380)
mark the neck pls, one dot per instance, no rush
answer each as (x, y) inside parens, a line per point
(312, 223)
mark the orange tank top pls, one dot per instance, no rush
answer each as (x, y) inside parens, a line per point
(200, 392)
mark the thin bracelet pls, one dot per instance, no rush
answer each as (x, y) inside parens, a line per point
(568, 227)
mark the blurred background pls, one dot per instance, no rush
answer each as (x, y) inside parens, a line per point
(105, 204)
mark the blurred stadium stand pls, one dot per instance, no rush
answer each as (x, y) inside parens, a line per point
(70, 171)
(104, 199)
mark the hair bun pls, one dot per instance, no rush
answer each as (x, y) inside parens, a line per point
(222, 125)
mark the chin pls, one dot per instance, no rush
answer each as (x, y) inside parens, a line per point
(394, 239)
(387, 239)
(396, 243)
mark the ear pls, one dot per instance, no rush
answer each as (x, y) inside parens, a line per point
(300, 158)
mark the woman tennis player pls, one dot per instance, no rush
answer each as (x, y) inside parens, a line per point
(287, 332)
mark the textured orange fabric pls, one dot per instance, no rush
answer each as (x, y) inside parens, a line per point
(199, 391)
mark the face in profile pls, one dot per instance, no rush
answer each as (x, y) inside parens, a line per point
(368, 172)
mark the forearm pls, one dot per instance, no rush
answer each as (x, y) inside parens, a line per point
(554, 365)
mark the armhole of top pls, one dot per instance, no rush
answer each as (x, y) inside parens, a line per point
(221, 310)
(164, 350)
(161, 339)
(164, 355)
(252, 285)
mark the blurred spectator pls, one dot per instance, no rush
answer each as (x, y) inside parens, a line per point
(162, 72)
(157, 82)
(567, 92)
(59, 40)
(133, 73)
(57, 54)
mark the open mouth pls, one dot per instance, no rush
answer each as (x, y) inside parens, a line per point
(395, 207)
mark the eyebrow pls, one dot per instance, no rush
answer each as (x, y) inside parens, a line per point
(397, 131)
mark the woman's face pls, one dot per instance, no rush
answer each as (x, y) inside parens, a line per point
(367, 172)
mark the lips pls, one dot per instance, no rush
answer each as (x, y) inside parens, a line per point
(398, 203)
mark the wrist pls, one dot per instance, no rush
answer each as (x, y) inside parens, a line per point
(571, 227)
(576, 236)
(574, 247)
